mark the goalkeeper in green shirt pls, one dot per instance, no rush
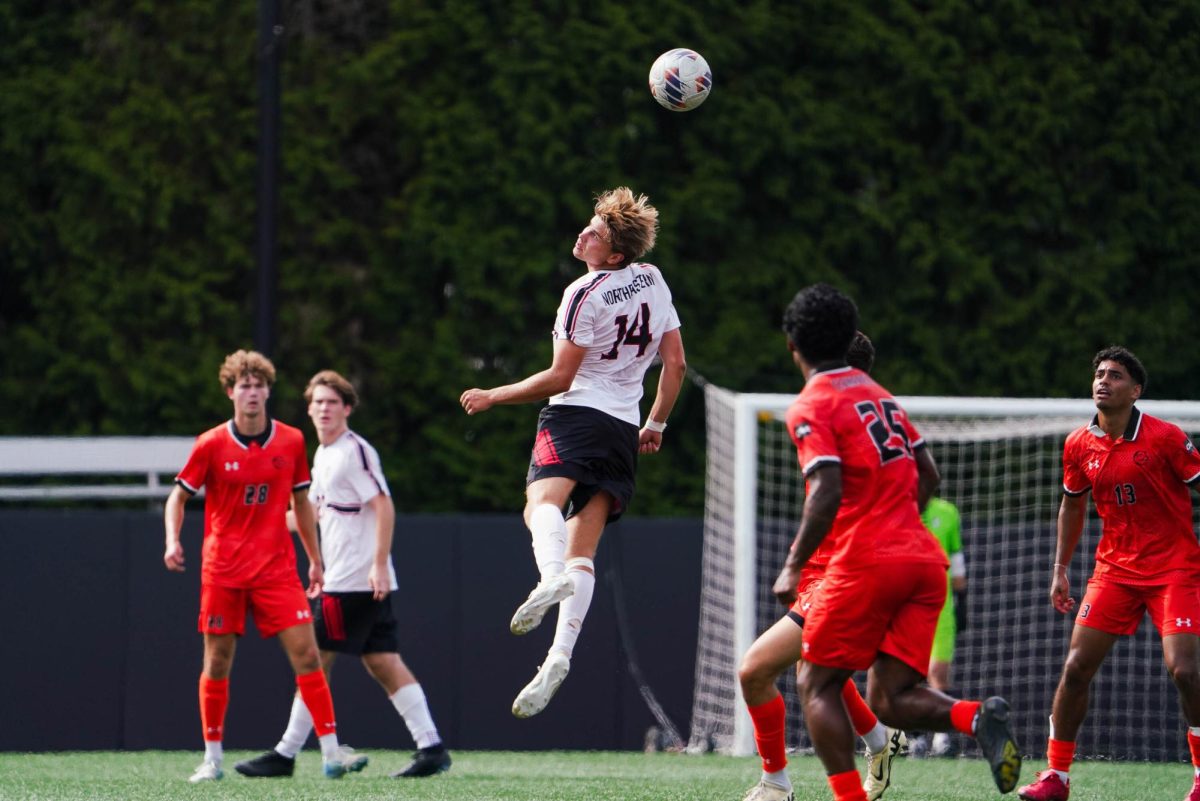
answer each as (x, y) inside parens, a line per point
(942, 518)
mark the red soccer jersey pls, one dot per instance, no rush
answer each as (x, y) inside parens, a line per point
(246, 539)
(1139, 485)
(843, 417)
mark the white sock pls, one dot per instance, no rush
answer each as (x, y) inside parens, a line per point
(549, 531)
(214, 752)
(410, 702)
(298, 727)
(876, 739)
(1064, 775)
(572, 611)
(329, 745)
(778, 779)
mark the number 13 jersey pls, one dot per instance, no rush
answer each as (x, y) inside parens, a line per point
(620, 317)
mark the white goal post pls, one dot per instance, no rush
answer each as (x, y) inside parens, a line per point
(1000, 460)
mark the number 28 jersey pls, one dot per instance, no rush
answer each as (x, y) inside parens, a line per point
(843, 417)
(619, 316)
(248, 488)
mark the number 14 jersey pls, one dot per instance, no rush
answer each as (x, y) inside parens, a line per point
(619, 316)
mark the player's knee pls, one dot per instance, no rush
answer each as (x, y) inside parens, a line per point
(305, 659)
(1186, 675)
(1077, 672)
(754, 675)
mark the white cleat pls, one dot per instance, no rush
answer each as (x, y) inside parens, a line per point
(207, 772)
(344, 760)
(879, 766)
(763, 791)
(545, 684)
(545, 595)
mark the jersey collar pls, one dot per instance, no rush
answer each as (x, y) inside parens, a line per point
(244, 440)
(845, 368)
(1132, 428)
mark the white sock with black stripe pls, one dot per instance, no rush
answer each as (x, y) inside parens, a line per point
(573, 610)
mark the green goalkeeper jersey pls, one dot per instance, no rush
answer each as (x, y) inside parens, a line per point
(941, 518)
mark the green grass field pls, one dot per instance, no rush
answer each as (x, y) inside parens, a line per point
(537, 776)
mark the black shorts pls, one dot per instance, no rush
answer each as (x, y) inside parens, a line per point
(355, 623)
(594, 448)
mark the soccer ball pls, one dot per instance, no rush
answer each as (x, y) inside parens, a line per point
(680, 79)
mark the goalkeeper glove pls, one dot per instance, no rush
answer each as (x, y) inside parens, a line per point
(960, 610)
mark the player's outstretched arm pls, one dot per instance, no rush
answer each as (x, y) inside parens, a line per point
(539, 386)
(172, 524)
(1070, 527)
(820, 508)
(670, 380)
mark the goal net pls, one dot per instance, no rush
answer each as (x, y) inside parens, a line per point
(1001, 465)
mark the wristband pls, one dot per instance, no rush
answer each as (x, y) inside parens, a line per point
(655, 426)
(1058, 565)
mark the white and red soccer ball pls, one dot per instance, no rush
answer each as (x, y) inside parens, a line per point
(680, 79)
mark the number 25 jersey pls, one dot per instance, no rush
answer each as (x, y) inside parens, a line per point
(843, 417)
(619, 316)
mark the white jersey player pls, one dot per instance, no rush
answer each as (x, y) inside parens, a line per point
(347, 475)
(354, 613)
(612, 322)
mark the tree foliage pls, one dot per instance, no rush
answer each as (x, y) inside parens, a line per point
(1003, 187)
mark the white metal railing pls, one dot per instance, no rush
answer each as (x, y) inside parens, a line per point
(148, 458)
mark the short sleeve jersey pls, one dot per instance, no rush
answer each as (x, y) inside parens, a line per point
(346, 475)
(248, 490)
(843, 417)
(619, 316)
(1139, 483)
(942, 519)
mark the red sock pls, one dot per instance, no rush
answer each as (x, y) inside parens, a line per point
(769, 720)
(1059, 754)
(860, 714)
(214, 700)
(962, 716)
(847, 786)
(314, 691)
(1194, 745)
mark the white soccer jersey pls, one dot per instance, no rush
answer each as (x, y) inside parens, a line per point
(345, 476)
(620, 316)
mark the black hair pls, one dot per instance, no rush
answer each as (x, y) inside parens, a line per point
(861, 353)
(820, 321)
(1125, 358)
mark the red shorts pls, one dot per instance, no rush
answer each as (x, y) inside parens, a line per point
(1118, 608)
(275, 608)
(891, 608)
(806, 592)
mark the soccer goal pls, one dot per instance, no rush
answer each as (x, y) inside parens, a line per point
(1001, 465)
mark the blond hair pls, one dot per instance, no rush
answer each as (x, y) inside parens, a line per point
(246, 362)
(632, 222)
(335, 381)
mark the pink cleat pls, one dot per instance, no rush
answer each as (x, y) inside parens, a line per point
(1049, 787)
(1194, 795)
